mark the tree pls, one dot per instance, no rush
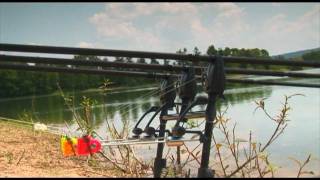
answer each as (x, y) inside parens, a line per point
(311, 56)
(184, 51)
(141, 61)
(93, 58)
(166, 62)
(211, 50)
(227, 51)
(264, 53)
(234, 52)
(154, 61)
(220, 51)
(128, 60)
(255, 52)
(196, 51)
(280, 57)
(119, 59)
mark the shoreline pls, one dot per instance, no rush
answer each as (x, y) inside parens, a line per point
(91, 90)
(25, 153)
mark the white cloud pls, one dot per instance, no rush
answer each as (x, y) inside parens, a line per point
(170, 26)
(228, 25)
(116, 23)
(276, 4)
(279, 34)
(32, 43)
(85, 45)
(229, 10)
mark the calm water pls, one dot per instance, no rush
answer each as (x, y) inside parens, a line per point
(301, 137)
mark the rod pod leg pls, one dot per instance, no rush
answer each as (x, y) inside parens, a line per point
(204, 171)
(159, 162)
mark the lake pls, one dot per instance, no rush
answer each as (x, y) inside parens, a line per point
(301, 138)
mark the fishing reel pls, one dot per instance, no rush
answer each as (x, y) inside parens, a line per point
(214, 79)
(167, 97)
(187, 90)
(187, 87)
(167, 93)
(178, 131)
(138, 131)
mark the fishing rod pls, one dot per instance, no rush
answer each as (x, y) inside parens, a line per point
(168, 140)
(170, 68)
(26, 67)
(214, 86)
(213, 81)
(37, 126)
(155, 55)
(167, 96)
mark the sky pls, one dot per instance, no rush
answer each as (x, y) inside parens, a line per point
(164, 27)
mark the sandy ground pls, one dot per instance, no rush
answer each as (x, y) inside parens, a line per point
(25, 153)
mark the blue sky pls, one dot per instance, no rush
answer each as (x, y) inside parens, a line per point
(164, 27)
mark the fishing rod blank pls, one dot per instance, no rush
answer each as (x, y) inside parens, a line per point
(263, 82)
(151, 141)
(138, 74)
(270, 73)
(198, 69)
(155, 55)
(81, 70)
(84, 62)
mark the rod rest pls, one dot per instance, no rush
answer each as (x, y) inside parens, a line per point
(180, 131)
(200, 100)
(167, 131)
(137, 131)
(150, 131)
(189, 115)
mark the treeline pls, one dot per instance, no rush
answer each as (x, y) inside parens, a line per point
(242, 52)
(21, 83)
(311, 56)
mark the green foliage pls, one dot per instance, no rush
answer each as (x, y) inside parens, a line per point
(255, 52)
(22, 83)
(312, 56)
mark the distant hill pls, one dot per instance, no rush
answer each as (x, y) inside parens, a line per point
(296, 54)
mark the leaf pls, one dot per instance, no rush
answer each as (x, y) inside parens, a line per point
(232, 146)
(295, 160)
(254, 145)
(197, 153)
(183, 151)
(194, 136)
(218, 146)
(263, 156)
(307, 172)
(241, 140)
(272, 167)
(308, 159)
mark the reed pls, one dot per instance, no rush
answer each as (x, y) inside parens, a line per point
(231, 161)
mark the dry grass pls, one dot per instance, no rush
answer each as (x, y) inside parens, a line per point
(25, 153)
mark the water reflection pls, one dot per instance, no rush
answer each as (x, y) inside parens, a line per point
(128, 105)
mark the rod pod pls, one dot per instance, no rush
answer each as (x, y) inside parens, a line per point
(167, 97)
(214, 81)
